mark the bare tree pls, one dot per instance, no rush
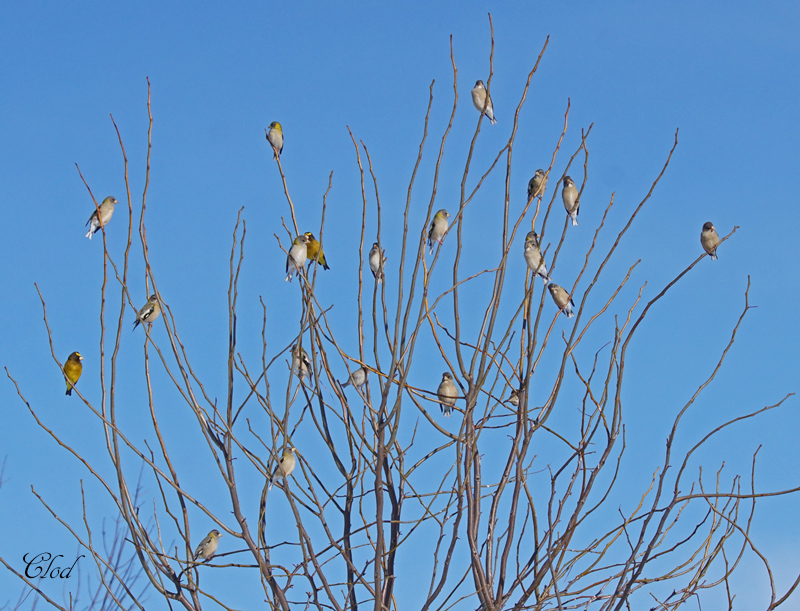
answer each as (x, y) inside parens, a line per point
(513, 503)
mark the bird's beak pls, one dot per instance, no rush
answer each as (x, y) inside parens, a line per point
(81, 358)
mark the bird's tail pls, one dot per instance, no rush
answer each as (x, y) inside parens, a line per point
(493, 121)
(69, 390)
(574, 220)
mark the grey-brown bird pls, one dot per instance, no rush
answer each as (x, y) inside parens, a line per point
(537, 184)
(513, 398)
(106, 210)
(569, 195)
(358, 378)
(149, 312)
(73, 369)
(377, 258)
(447, 393)
(301, 364)
(208, 546)
(285, 466)
(709, 239)
(481, 98)
(562, 299)
(534, 258)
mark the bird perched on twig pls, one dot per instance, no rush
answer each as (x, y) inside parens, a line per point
(709, 239)
(106, 210)
(301, 364)
(314, 249)
(149, 312)
(447, 393)
(285, 466)
(562, 299)
(377, 258)
(481, 98)
(534, 258)
(537, 184)
(275, 138)
(569, 195)
(208, 546)
(439, 226)
(73, 369)
(513, 398)
(296, 259)
(358, 378)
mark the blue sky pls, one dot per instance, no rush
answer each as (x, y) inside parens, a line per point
(726, 77)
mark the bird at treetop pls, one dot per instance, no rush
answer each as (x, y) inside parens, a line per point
(534, 258)
(537, 184)
(377, 258)
(480, 97)
(439, 226)
(208, 546)
(298, 254)
(447, 393)
(73, 369)
(709, 239)
(357, 378)
(314, 250)
(569, 194)
(285, 466)
(106, 210)
(275, 138)
(301, 364)
(562, 299)
(149, 312)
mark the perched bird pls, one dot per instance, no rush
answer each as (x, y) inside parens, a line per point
(208, 546)
(439, 226)
(73, 369)
(562, 299)
(275, 138)
(534, 258)
(315, 250)
(481, 97)
(285, 466)
(447, 393)
(377, 258)
(570, 196)
(149, 312)
(709, 239)
(301, 364)
(513, 398)
(537, 184)
(357, 378)
(106, 210)
(298, 254)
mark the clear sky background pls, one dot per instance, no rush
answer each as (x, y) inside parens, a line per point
(725, 74)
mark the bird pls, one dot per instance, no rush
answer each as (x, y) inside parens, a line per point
(275, 138)
(377, 258)
(315, 250)
(562, 299)
(208, 546)
(149, 312)
(537, 184)
(481, 97)
(534, 258)
(513, 398)
(285, 466)
(301, 364)
(298, 254)
(447, 393)
(570, 196)
(73, 369)
(709, 239)
(439, 226)
(106, 210)
(357, 378)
